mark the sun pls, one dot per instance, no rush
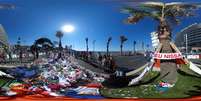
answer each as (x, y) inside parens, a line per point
(67, 28)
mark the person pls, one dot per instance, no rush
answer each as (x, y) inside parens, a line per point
(1, 57)
(100, 58)
(112, 64)
(103, 62)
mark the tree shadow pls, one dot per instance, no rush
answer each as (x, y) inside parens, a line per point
(151, 80)
(120, 82)
(186, 74)
(196, 92)
(117, 82)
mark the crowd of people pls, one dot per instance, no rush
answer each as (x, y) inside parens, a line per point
(2, 58)
(107, 62)
(102, 61)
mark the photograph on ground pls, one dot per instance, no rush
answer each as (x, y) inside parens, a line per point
(100, 50)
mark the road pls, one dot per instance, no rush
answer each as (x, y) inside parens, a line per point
(130, 62)
(92, 68)
(124, 64)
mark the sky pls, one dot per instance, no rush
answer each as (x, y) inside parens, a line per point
(95, 19)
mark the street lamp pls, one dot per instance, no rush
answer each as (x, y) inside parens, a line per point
(86, 39)
(94, 41)
(186, 39)
(134, 50)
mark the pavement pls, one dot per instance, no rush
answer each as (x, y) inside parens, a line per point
(130, 62)
(92, 68)
(196, 61)
(124, 63)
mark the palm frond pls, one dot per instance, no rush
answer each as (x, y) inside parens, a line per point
(181, 9)
(172, 11)
(134, 19)
(123, 38)
(137, 14)
(130, 10)
(183, 5)
(170, 16)
(154, 5)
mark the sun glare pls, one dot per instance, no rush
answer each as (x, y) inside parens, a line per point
(68, 28)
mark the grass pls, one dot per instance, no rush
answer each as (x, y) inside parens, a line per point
(187, 85)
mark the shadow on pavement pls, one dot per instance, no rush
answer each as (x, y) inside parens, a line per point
(117, 82)
(187, 74)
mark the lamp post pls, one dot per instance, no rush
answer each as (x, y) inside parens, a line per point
(134, 43)
(142, 46)
(94, 41)
(87, 47)
(186, 37)
(19, 48)
(147, 46)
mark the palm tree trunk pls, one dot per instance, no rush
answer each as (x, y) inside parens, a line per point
(107, 49)
(121, 47)
(60, 48)
(168, 68)
(133, 48)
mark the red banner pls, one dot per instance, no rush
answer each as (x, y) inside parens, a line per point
(167, 56)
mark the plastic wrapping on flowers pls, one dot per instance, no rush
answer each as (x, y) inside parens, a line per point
(51, 77)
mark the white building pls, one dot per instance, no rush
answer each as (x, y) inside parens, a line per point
(154, 39)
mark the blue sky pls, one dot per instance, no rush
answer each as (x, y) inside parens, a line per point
(95, 19)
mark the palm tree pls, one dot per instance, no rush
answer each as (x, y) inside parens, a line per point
(122, 40)
(134, 44)
(108, 44)
(46, 45)
(165, 14)
(59, 35)
(43, 41)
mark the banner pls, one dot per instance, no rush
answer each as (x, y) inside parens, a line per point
(192, 56)
(167, 56)
(137, 79)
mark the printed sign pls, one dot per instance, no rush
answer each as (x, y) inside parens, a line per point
(193, 56)
(167, 56)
